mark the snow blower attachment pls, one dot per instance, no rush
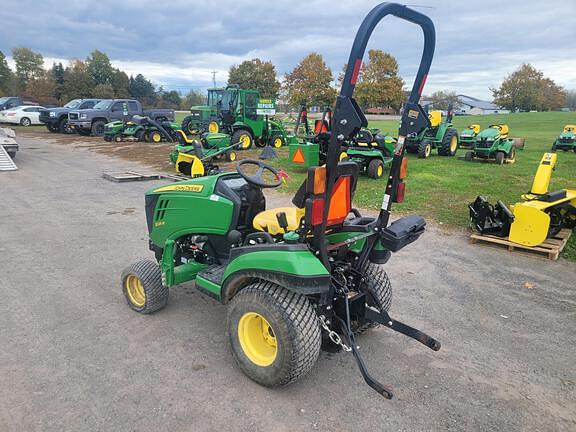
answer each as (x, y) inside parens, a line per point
(540, 214)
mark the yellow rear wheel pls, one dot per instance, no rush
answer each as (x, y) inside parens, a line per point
(257, 339)
(453, 144)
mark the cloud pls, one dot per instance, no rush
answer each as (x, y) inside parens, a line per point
(180, 43)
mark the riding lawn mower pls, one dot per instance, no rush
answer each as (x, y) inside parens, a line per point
(294, 279)
(567, 139)
(493, 144)
(468, 136)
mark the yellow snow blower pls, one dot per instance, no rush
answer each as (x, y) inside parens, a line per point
(540, 214)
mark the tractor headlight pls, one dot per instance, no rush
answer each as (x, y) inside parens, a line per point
(83, 116)
(52, 114)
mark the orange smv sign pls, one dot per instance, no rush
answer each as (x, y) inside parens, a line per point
(298, 156)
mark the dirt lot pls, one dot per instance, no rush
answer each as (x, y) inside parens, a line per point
(75, 358)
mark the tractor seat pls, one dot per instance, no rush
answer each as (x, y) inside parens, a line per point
(268, 222)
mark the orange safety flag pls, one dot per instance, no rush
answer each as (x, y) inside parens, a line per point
(298, 156)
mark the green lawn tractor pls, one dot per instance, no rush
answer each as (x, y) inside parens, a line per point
(493, 144)
(372, 151)
(567, 139)
(197, 157)
(141, 128)
(439, 134)
(468, 136)
(294, 279)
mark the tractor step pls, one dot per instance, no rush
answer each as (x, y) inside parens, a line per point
(6, 162)
(213, 273)
(128, 176)
(549, 249)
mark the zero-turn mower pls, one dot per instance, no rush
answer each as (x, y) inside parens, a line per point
(468, 136)
(567, 139)
(493, 144)
(540, 214)
(196, 157)
(438, 134)
(294, 279)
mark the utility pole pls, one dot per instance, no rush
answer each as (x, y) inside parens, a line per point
(214, 78)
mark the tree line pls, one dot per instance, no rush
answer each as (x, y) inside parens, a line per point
(94, 77)
(311, 82)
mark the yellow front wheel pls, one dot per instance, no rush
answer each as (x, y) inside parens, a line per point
(213, 127)
(231, 156)
(155, 136)
(142, 287)
(274, 333)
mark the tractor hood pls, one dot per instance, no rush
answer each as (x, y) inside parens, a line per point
(489, 133)
(568, 135)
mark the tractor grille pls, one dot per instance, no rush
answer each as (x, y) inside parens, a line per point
(73, 116)
(484, 143)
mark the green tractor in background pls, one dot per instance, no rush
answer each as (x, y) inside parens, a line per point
(204, 118)
(468, 136)
(372, 151)
(567, 139)
(141, 128)
(494, 144)
(440, 134)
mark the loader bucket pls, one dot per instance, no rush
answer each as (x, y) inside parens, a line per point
(530, 226)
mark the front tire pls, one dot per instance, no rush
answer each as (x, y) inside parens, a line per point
(274, 334)
(500, 158)
(375, 169)
(63, 127)
(142, 287)
(277, 141)
(424, 149)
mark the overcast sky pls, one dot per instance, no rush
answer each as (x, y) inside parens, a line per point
(178, 43)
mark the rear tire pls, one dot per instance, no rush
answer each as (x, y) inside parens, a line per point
(512, 154)
(450, 143)
(293, 334)
(25, 121)
(375, 169)
(142, 287)
(500, 158)
(376, 278)
(244, 138)
(424, 149)
(189, 126)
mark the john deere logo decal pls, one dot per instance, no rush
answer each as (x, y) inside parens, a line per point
(182, 188)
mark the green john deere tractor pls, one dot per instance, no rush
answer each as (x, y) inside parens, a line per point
(294, 279)
(204, 118)
(493, 144)
(567, 139)
(372, 151)
(439, 134)
(141, 128)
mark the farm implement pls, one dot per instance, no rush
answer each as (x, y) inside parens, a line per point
(438, 134)
(567, 139)
(468, 136)
(493, 144)
(294, 279)
(540, 214)
(197, 157)
(141, 128)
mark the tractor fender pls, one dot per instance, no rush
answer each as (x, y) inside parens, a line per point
(293, 267)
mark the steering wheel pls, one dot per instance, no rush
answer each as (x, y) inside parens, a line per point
(257, 179)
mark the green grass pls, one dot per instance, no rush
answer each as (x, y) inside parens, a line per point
(440, 188)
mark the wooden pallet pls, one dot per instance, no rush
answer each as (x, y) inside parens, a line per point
(550, 248)
(129, 176)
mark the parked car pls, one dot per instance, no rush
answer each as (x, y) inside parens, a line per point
(25, 115)
(92, 121)
(56, 119)
(8, 102)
